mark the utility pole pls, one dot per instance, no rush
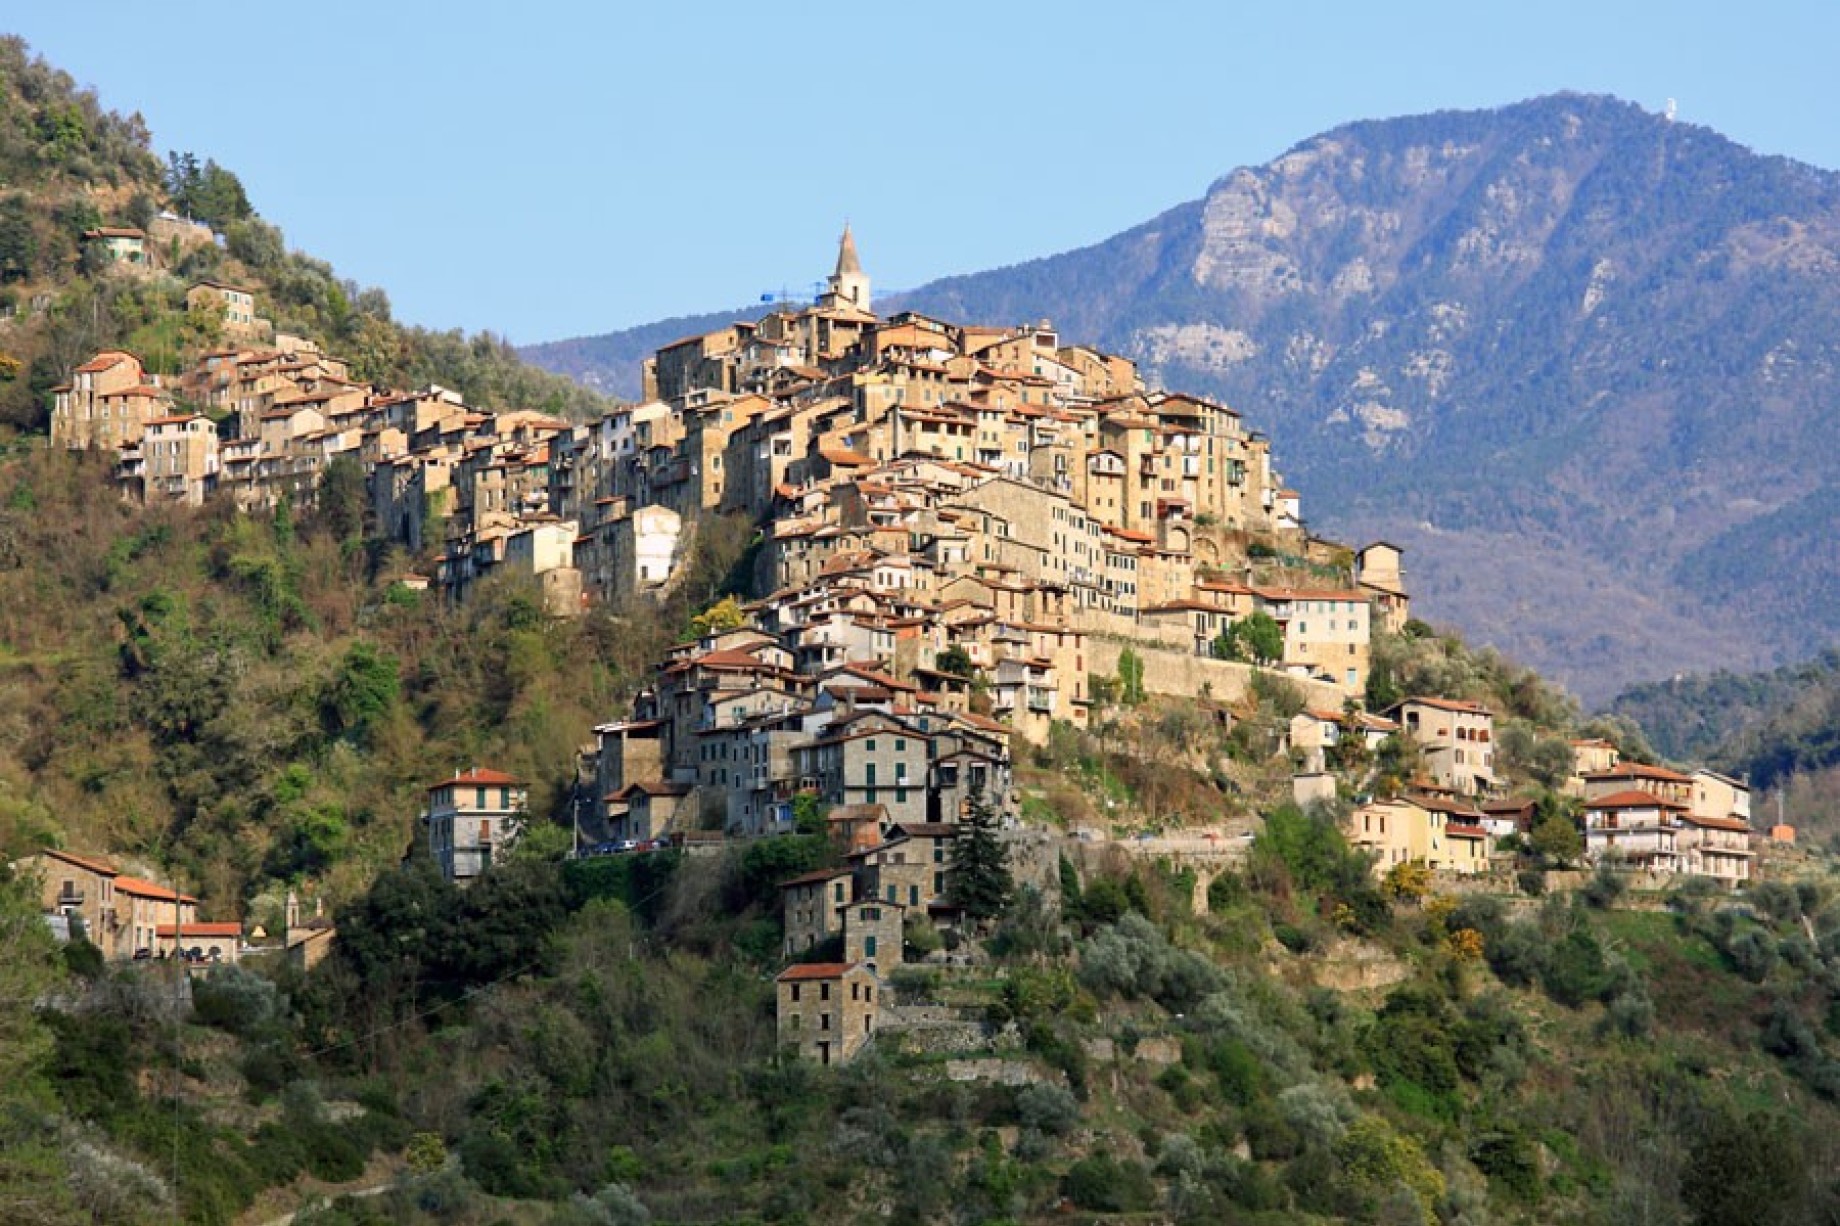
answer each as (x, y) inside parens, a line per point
(178, 966)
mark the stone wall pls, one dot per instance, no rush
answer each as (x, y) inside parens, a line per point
(1182, 674)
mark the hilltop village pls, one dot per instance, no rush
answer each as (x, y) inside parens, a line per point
(965, 536)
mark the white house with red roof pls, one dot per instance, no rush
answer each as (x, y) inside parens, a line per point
(1635, 827)
(473, 819)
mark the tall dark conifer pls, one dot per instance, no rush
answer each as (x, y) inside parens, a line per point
(982, 884)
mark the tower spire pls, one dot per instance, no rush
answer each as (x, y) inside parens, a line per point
(849, 285)
(847, 262)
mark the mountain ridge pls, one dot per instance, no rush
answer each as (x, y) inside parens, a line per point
(1567, 352)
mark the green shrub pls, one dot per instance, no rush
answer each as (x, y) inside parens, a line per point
(1051, 1109)
(235, 1000)
(1297, 940)
(1575, 971)
(1105, 1184)
(1236, 1070)
(1511, 1160)
(332, 1153)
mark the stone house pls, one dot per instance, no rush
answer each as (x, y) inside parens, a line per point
(826, 1010)
(1326, 633)
(1455, 738)
(120, 913)
(233, 304)
(872, 933)
(1444, 837)
(810, 904)
(908, 871)
(869, 759)
(1381, 578)
(179, 460)
(106, 403)
(1657, 781)
(650, 809)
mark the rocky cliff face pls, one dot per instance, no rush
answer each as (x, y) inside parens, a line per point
(1576, 358)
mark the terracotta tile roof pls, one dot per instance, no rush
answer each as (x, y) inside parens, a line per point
(1444, 704)
(927, 830)
(1450, 808)
(815, 876)
(149, 889)
(1638, 770)
(815, 970)
(1285, 593)
(90, 863)
(653, 787)
(1718, 823)
(1633, 800)
(228, 928)
(106, 360)
(476, 776)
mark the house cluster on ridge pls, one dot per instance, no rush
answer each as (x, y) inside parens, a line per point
(954, 467)
(1632, 815)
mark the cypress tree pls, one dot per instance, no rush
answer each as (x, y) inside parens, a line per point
(982, 885)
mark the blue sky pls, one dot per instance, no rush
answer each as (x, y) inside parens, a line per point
(548, 170)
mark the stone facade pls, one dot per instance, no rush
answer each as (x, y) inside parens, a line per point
(827, 1011)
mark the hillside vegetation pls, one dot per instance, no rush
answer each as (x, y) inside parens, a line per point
(593, 1043)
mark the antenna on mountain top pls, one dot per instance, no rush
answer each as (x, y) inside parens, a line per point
(1673, 109)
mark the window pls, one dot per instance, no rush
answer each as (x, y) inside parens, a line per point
(868, 948)
(480, 798)
(824, 991)
(795, 998)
